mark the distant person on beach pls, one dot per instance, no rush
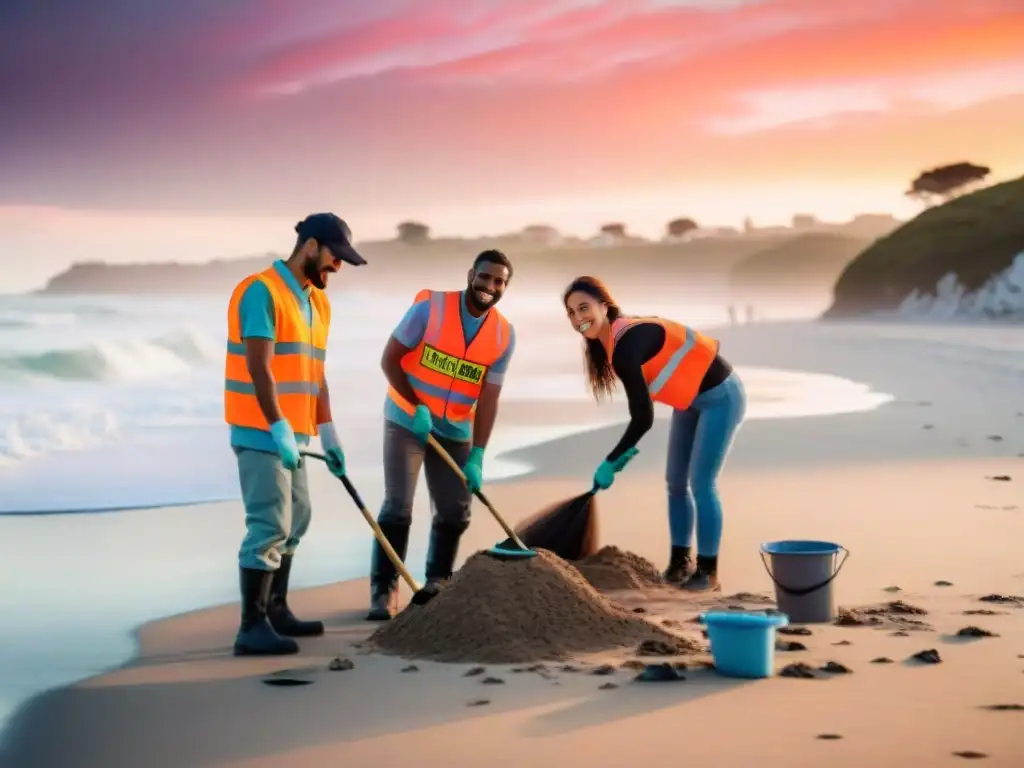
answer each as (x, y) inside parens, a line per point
(275, 399)
(445, 364)
(659, 360)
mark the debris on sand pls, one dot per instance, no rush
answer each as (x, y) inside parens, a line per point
(835, 668)
(1004, 707)
(1015, 600)
(828, 736)
(999, 478)
(478, 703)
(515, 611)
(659, 673)
(677, 646)
(798, 670)
(611, 569)
(973, 631)
(797, 631)
(970, 754)
(882, 660)
(789, 645)
(748, 597)
(930, 656)
(943, 583)
(340, 664)
(982, 612)
(893, 614)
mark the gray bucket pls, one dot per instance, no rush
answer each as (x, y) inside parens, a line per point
(802, 572)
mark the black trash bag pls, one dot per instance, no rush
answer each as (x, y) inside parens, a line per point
(569, 528)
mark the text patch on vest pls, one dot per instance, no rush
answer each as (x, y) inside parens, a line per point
(453, 366)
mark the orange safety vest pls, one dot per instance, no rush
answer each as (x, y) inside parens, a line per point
(445, 374)
(297, 365)
(673, 375)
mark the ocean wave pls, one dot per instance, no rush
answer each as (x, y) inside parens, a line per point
(58, 317)
(175, 352)
(39, 432)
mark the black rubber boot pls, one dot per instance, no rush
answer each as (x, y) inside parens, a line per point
(705, 579)
(680, 566)
(383, 576)
(279, 614)
(255, 635)
(444, 548)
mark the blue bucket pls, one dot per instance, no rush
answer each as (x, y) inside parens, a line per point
(743, 642)
(803, 573)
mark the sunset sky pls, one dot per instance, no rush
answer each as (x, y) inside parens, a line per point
(195, 129)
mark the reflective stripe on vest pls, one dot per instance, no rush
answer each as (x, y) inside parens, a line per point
(675, 373)
(297, 365)
(446, 375)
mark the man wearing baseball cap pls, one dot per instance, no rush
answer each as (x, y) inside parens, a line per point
(275, 400)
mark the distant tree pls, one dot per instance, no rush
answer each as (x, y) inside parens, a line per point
(614, 230)
(945, 182)
(413, 232)
(679, 227)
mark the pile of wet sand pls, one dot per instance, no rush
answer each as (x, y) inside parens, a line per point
(610, 569)
(514, 611)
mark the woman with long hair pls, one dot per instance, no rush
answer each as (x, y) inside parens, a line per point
(659, 360)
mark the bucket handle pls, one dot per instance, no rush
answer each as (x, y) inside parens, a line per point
(805, 590)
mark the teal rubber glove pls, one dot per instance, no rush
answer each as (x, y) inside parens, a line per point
(287, 448)
(605, 475)
(332, 448)
(621, 462)
(474, 469)
(422, 422)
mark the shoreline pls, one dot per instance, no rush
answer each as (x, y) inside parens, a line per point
(530, 417)
(756, 454)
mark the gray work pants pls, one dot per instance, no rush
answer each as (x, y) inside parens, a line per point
(277, 509)
(404, 454)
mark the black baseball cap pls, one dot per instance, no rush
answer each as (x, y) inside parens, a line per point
(331, 232)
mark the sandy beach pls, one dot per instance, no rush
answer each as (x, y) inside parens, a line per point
(911, 489)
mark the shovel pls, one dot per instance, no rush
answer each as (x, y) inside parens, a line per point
(510, 549)
(420, 595)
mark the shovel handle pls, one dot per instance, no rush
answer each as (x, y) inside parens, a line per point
(478, 493)
(378, 534)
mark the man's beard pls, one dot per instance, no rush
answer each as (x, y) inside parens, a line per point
(314, 274)
(475, 302)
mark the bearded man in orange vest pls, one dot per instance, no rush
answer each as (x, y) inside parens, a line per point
(445, 364)
(275, 399)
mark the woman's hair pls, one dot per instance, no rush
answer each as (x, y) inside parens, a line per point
(595, 360)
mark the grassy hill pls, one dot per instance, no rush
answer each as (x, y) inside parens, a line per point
(974, 237)
(812, 261)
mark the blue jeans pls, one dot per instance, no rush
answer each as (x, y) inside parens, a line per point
(699, 440)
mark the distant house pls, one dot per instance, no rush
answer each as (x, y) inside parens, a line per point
(541, 234)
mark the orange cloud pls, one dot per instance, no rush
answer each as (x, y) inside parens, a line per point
(539, 43)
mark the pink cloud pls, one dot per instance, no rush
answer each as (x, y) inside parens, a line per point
(534, 41)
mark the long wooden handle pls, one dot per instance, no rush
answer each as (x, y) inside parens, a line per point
(377, 532)
(479, 494)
